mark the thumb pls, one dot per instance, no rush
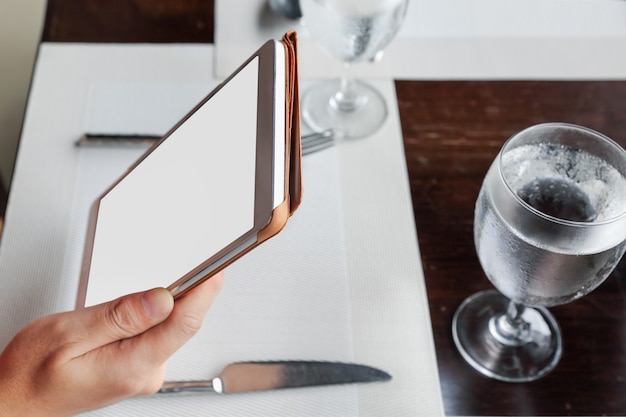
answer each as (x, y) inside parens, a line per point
(126, 316)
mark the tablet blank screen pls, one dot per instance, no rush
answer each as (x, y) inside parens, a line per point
(189, 198)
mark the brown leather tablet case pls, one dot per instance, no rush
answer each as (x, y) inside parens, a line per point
(263, 230)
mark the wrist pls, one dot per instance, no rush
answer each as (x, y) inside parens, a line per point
(15, 402)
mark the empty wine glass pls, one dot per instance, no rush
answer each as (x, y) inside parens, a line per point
(549, 227)
(351, 31)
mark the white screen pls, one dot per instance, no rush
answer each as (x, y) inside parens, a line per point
(193, 195)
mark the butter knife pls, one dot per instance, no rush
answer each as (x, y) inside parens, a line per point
(261, 376)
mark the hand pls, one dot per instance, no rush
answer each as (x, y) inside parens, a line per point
(72, 362)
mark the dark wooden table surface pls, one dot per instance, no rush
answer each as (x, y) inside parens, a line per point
(452, 131)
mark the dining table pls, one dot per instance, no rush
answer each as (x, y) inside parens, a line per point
(452, 130)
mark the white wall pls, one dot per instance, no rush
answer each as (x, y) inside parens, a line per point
(21, 23)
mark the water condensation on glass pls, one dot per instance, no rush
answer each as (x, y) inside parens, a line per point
(521, 267)
(597, 179)
(353, 30)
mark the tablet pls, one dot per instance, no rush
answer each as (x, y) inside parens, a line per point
(215, 186)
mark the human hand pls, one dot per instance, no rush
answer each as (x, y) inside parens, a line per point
(72, 362)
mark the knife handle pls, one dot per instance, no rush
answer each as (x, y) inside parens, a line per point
(170, 387)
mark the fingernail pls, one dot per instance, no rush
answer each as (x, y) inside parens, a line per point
(157, 303)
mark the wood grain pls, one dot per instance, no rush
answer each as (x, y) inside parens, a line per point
(452, 131)
(129, 21)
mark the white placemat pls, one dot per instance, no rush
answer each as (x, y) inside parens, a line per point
(348, 285)
(287, 299)
(455, 39)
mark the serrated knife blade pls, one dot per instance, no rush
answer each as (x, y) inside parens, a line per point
(262, 376)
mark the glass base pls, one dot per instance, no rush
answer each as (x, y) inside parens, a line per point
(496, 356)
(320, 112)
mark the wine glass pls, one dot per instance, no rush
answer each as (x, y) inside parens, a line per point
(549, 227)
(351, 31)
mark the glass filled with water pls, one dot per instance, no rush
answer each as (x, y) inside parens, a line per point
(350, 31)
(549, 227)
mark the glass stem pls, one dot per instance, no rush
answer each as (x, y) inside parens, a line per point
(347, 99)
(511, 329)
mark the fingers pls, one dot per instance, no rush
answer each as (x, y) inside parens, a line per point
(122, 318)
(160, 342)
(68, 362)
(80, 360)
(138, 357)
(134, 366)
(129, 316)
